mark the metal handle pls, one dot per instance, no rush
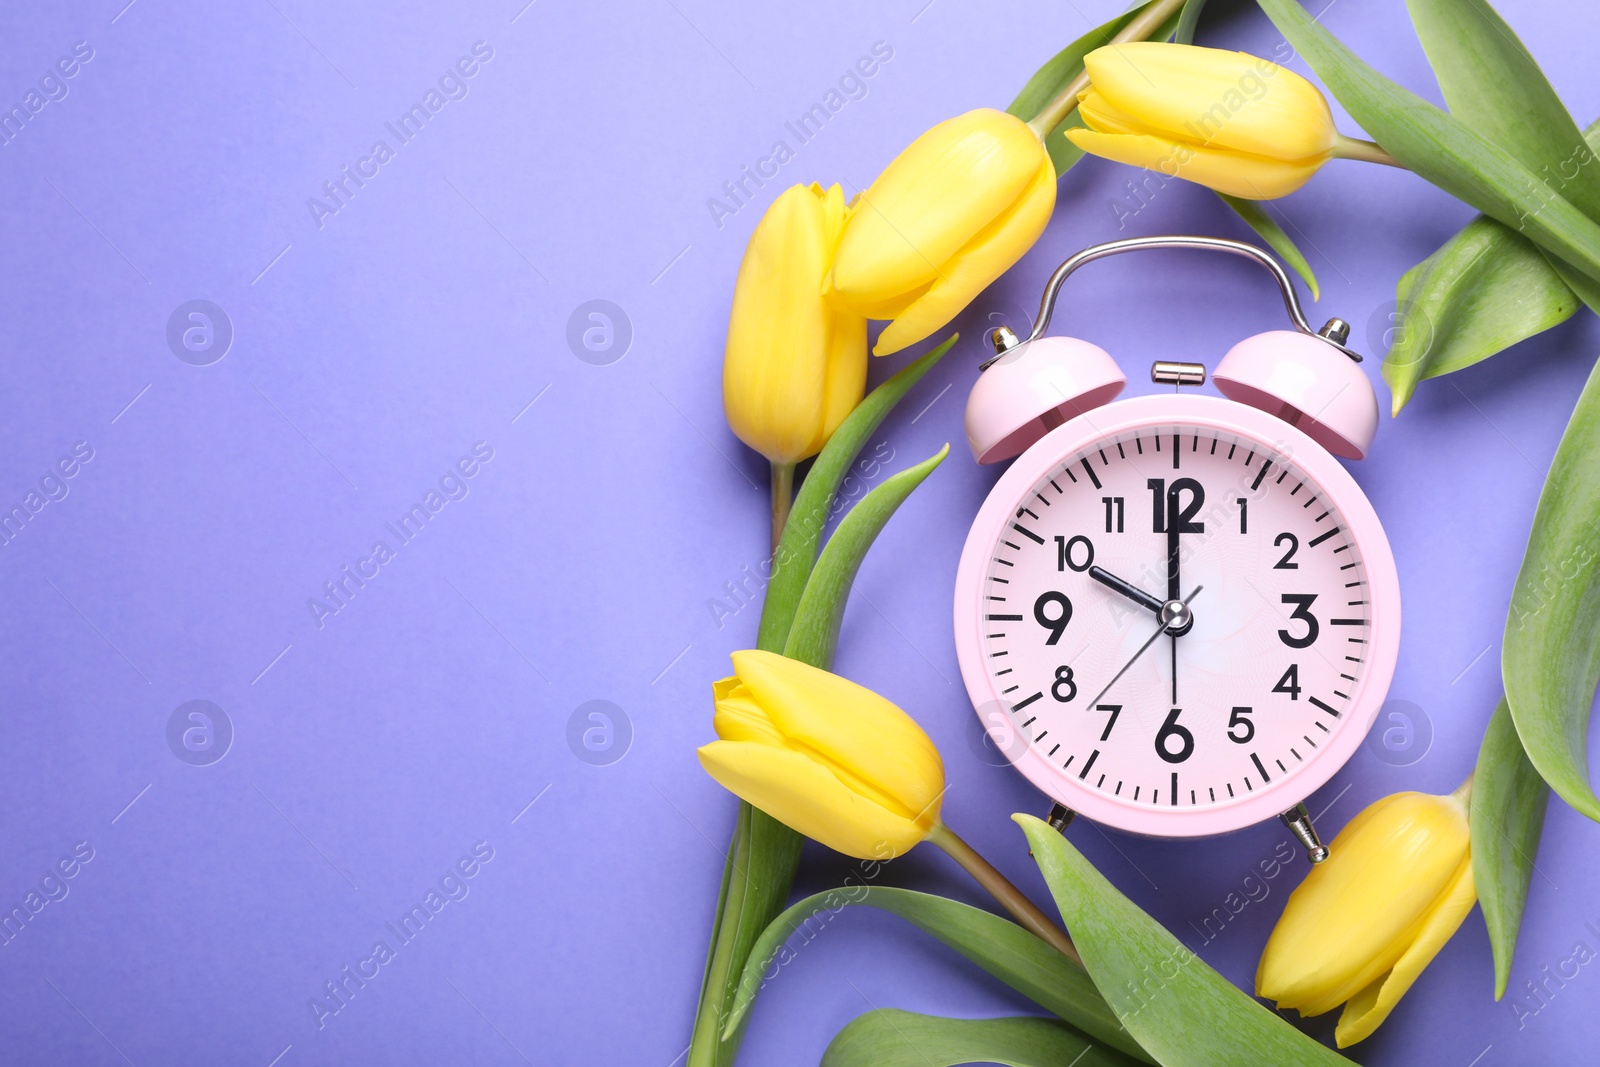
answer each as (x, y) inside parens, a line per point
(1334, 333)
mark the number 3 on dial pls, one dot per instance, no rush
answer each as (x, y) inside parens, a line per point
(1302, 613)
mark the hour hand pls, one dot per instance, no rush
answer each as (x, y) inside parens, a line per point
(1126, 588)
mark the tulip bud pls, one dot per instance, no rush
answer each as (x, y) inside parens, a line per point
(795, 365)
(833, 760)
(947, 217)
(1228, 120)
(1365, 922)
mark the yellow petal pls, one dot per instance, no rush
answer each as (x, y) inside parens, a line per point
(970, 271)
(1102, 116)
(835, 212)
(1373, 1004)
(739, 718)
(804, 795)
(1228, 100)
(946, 187)
(861, 738)
(1136, 150)
(1234, 173)
(1356, 914)
(847, 369)
(781, 345)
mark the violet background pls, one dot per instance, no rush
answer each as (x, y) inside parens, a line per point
(426, 315)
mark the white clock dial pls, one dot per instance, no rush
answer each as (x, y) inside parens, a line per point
(1261, 681)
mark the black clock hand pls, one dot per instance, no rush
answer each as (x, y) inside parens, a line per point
(1174, 526)
(1126, 588)
(1174, 613)
(1174, 639)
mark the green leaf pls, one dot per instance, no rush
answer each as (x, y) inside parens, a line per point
(815, 634)
(1484, 290)
(1508, 802)
(1188, 20)
(1583, 287)
(998, 945)
(1439, 148)
(764, 853)
(1181, 1011)
(762, 860)
(1492, 83)
(1551, 653)
(1256, 215)
(740, 832)
(889, 1037)
(797, 549)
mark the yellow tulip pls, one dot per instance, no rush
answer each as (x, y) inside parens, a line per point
(1228, 120)
(795, 365)
(833, 760)
(1362, 926)
(947, 217)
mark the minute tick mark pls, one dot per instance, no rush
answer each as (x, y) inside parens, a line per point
(1323, 707)
(1029, 534)
(1321, 537)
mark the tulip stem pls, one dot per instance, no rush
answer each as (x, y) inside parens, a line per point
(1139, 28)
(1366, 151)
(1010, 897)
(782, 499)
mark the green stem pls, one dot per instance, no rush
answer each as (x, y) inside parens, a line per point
(1010, 897)
(1366, 151)
(782, 499)
(708, 1022)
(1138, 28)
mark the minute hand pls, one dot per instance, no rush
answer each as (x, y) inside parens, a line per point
(1173, 612)
(1174, 551)
(1174, 526)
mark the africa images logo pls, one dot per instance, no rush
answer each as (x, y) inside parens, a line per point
(340, 590)
(452, 85)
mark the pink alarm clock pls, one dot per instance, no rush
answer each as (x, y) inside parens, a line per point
(1177, 614)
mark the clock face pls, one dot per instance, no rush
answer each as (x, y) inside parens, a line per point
(1277, 642)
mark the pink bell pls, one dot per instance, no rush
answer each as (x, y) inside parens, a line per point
(1306, 382)
(1033, 388)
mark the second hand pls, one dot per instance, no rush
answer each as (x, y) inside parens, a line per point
(1173, 612)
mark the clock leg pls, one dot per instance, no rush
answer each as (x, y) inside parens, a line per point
(1298, 820)
(1059, 819)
